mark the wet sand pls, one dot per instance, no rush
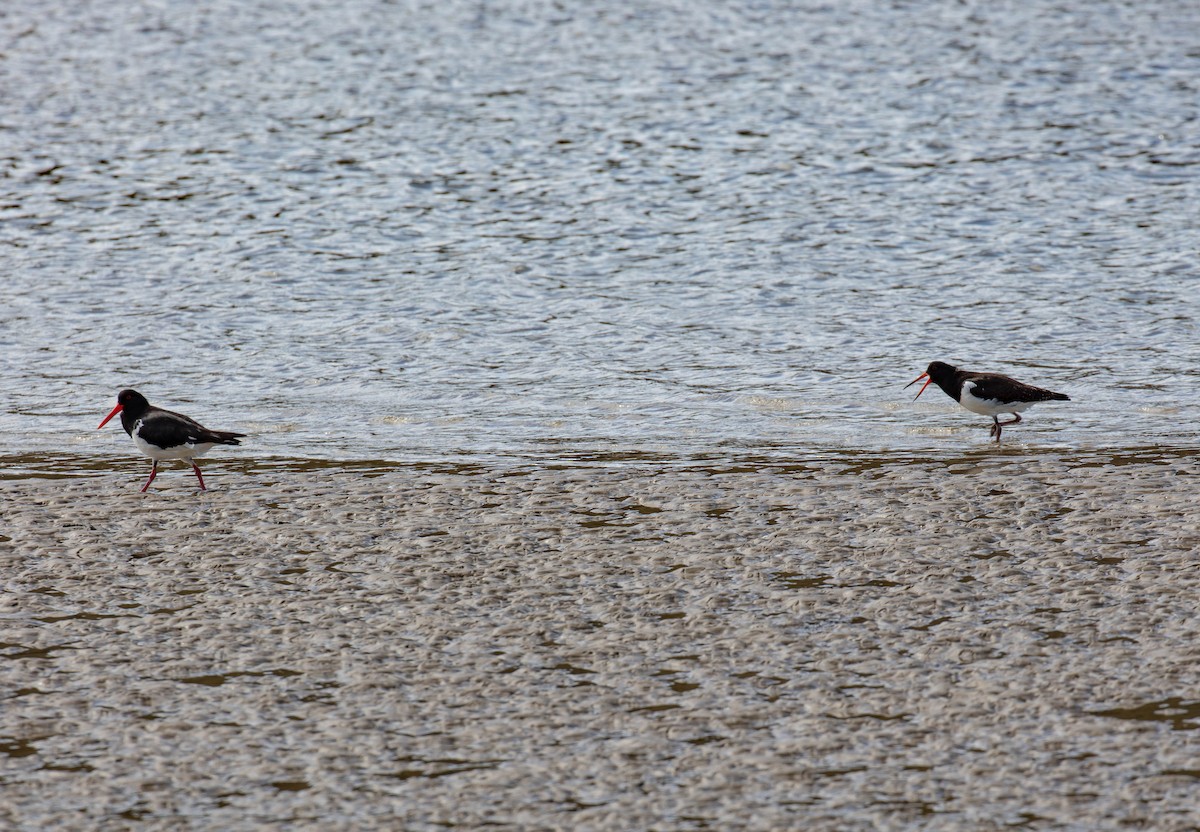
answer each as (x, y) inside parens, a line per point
(997, 640)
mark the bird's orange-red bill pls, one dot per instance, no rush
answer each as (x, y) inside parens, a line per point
(925, 376)
(115, 411)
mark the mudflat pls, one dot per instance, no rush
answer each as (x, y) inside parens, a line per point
(997, 640)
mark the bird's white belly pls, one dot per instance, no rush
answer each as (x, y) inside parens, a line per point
(186, 451)
(989, 407)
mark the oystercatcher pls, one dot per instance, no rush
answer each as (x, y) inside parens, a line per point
(161, 434)
(989, 394)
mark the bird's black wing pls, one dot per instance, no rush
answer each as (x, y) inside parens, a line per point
(995, 387)
(197, 433)
(170, 430)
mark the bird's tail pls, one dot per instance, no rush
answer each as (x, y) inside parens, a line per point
(1060, 397)
(225, 437)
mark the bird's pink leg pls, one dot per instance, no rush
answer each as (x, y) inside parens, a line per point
(153, 474)
(196, 468)
(997, 425)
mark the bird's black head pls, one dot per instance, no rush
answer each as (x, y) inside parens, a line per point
(939, 371)
(131, 405)
(133, 402)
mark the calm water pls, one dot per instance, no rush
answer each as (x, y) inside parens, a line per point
(420, 230)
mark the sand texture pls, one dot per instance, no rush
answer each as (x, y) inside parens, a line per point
(995, 641)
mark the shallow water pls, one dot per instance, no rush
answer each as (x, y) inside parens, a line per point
(411, 231)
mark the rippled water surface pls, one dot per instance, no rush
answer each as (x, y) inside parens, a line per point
(408, 230)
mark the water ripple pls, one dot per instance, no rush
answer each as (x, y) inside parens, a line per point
(374, 231)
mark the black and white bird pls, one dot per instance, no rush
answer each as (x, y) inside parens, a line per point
(161, 434)
(989, 394)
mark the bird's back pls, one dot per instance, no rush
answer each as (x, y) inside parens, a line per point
(997, 387)
(167, 429)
